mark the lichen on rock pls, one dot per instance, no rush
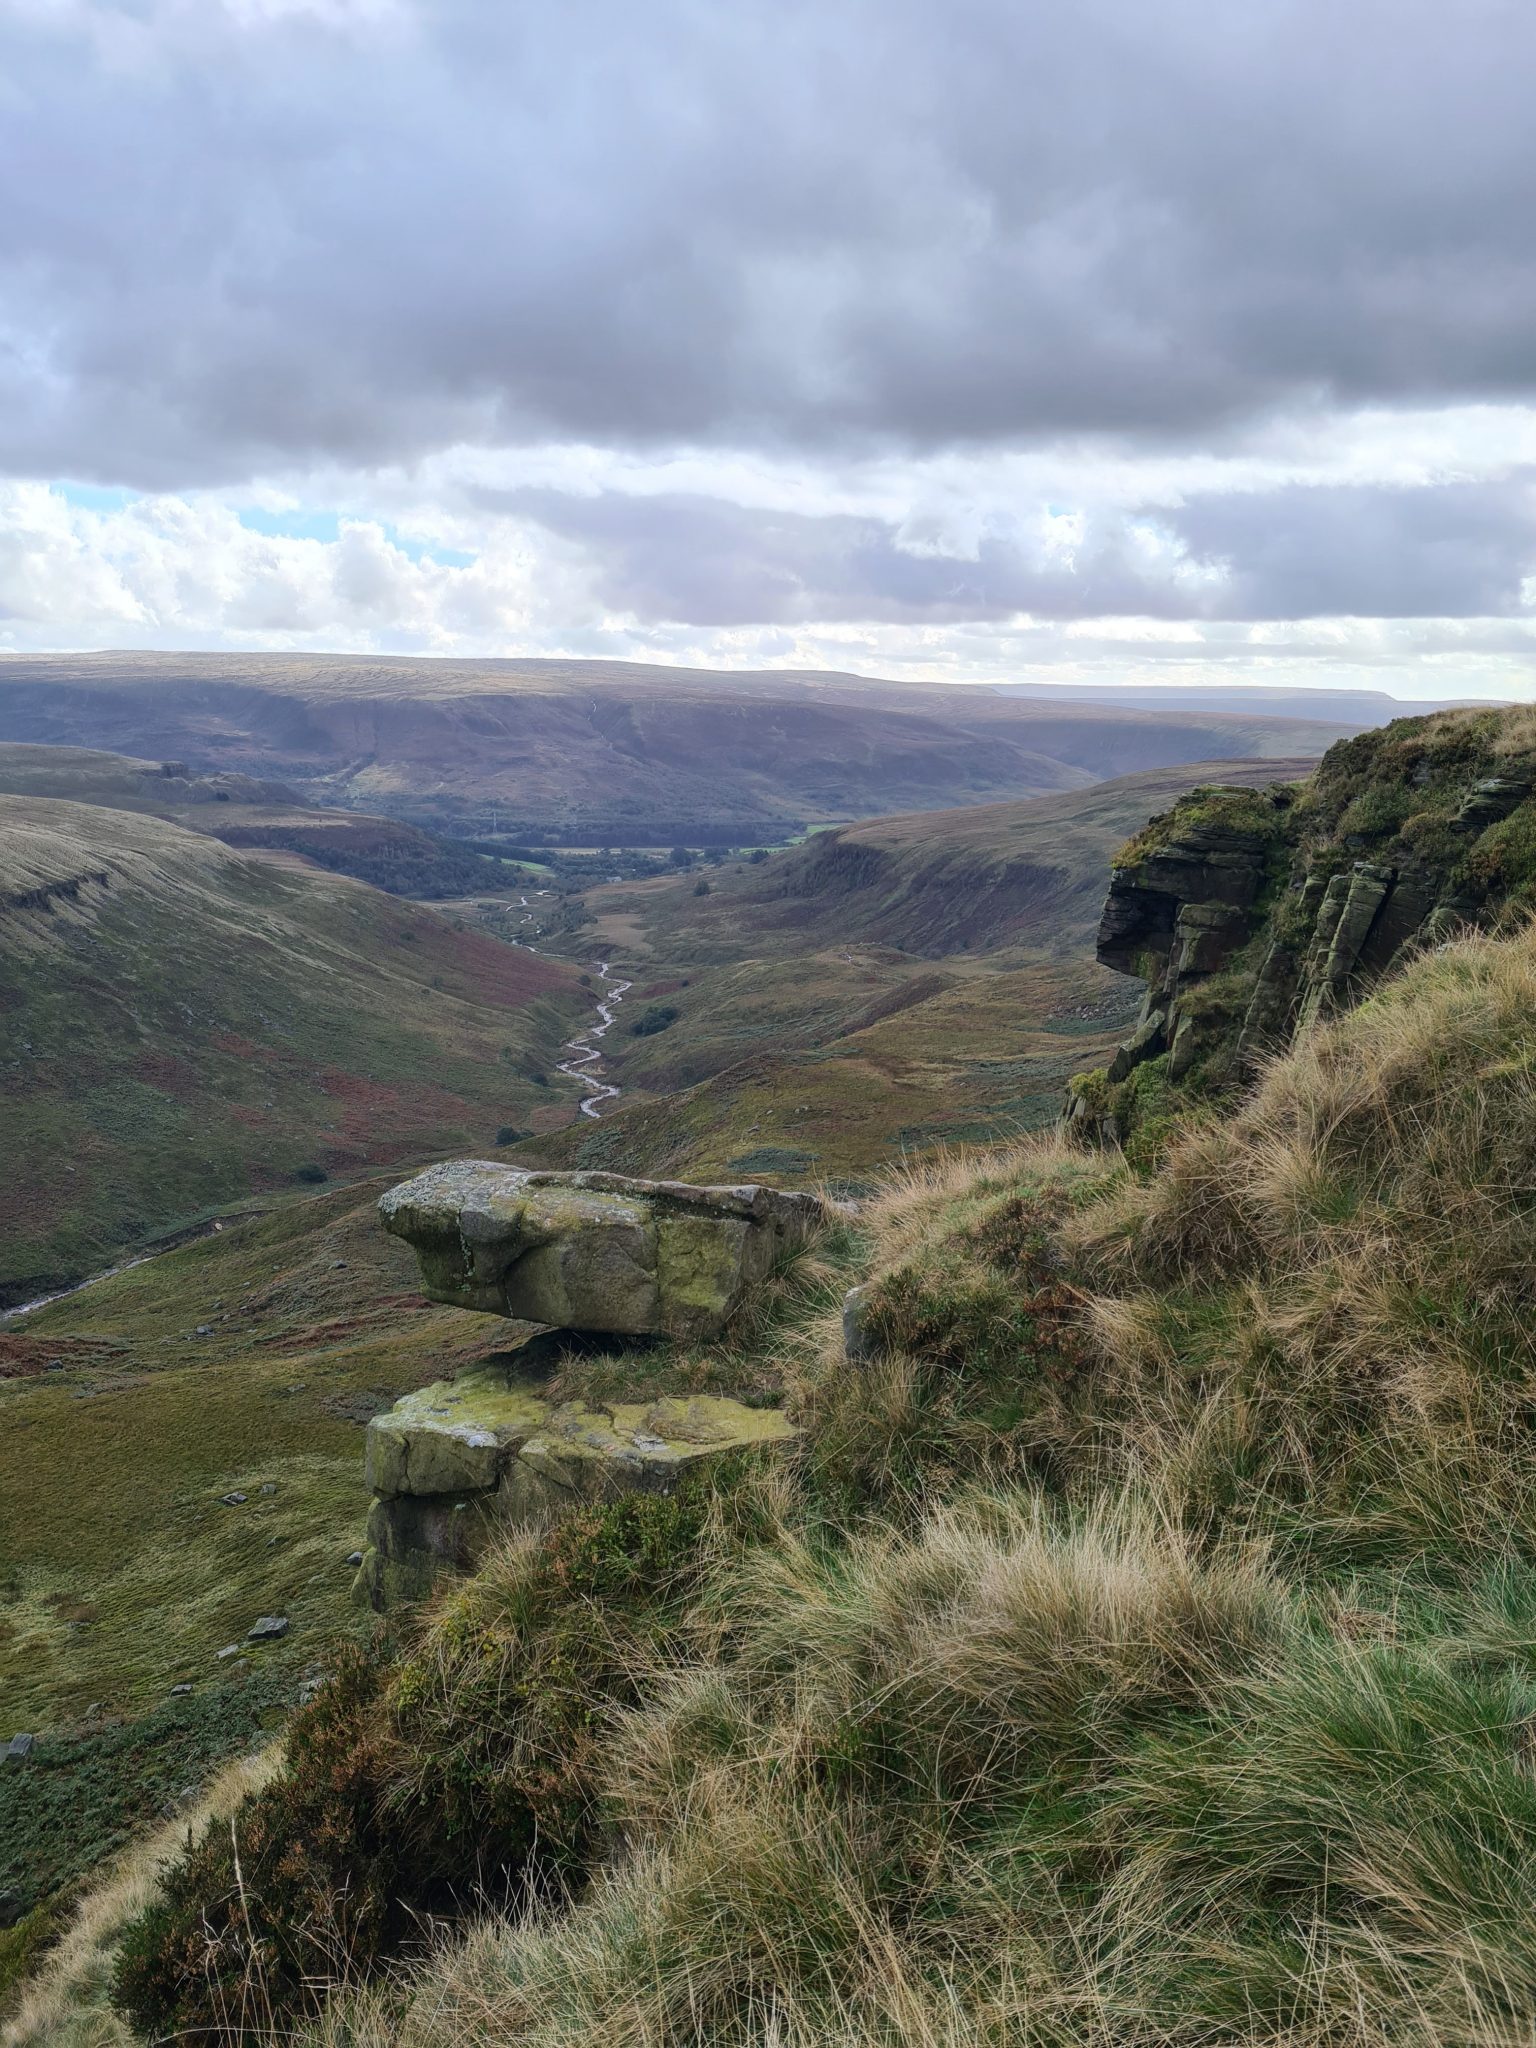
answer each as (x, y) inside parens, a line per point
(457, 1463)
(594, 1251)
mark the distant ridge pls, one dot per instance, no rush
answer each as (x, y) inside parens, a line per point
(584, 752)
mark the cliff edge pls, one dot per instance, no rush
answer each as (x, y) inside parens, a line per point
(1250, 913)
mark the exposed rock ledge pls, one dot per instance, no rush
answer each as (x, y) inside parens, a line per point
(1249, 914)
(458, 1463)
(594, 1251)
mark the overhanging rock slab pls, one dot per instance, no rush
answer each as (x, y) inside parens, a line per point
(594, 1251)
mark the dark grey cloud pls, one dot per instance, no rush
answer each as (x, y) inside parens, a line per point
(227, 247)
(1450, 550)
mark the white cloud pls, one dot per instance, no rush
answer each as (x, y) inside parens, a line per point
(170, 570)
(175, 571)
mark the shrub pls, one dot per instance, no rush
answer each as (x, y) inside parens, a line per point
(460, 1773)
(311, 1174)
(653, 1019)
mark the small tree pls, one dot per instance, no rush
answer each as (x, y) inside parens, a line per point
(701, 888)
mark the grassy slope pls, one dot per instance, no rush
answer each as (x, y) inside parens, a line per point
(123, 782)
(1141, 1653)
(123, 1572)
(884, 988)
(600, 742)
(181, 1028)
(122, 1428)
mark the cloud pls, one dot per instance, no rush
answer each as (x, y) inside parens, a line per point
(1449, 550)
(171, 571)
(246, 237)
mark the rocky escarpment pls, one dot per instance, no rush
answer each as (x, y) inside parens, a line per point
(578, 1257)
(1250, 913)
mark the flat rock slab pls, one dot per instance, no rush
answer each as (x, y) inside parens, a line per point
(453, 1464)
(594, 1251)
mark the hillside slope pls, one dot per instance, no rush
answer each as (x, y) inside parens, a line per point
(244, 811)
(1138, 1650)
(181, 1027)
(881, 989)
(607, 750)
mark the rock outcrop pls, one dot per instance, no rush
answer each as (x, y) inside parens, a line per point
(1249, 914)
(594, 1251)
(456, 1464)
(576, 1256)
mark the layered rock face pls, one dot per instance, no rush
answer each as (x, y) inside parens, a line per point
(594, 1251)
(459, 1463)
(1250, 914)
(577, 1256)
(1182, 908)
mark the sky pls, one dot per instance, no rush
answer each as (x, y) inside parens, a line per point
(988, 340)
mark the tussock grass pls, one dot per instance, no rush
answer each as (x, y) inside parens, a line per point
(1340, 1279)
(1143, 1654)
(1053, 1778)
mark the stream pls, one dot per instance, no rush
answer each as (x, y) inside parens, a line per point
(26, 1308)
(585, 1057)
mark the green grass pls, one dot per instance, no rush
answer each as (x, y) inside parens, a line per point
(82, 1795)
(124, 1573)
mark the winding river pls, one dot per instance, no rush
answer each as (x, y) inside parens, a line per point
(586, 1060)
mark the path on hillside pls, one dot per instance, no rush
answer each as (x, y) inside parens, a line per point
(586, 1059)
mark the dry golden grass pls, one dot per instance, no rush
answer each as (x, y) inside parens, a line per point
(1142, 1658)
(1019, 1778)
(1372, 1204)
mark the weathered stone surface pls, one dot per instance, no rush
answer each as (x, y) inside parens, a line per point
(594, 1251)
(1145, 1042)
(456, 1463)
(1300, 901)
(1180, 909)
(1350, 906)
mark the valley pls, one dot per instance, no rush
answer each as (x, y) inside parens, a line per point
(1187, 1481)
(888, 1005)
(196, 1033)
(882, 990)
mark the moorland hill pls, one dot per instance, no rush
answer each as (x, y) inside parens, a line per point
(610, 752)
(183, 1026)
(1134, 1644)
